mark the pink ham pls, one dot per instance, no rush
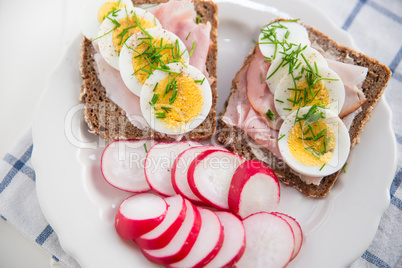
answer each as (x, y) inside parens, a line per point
(240, 113)
(117, 91)
(352, 77)
(258, 93)
(178, 17)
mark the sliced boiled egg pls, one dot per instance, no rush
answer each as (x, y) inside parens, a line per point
(281, 36)
(95, 11)
(143, 53)
(315, 85)
(176, 100)
(118, 26)
(314, 142)
(292, 62)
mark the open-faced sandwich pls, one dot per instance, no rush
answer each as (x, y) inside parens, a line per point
(299, 103)
(149, 69)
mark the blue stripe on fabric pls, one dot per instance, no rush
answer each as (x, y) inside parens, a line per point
(385, 12)
(395, 62)
(371, 258)
(353, 14)
(396, 202)
(4, 218)
(396, 183)
(397, 76)
(398, 138)
(17, 165)
(44, 235)
(55, 258)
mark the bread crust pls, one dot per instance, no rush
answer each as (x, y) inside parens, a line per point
(106, 119)
(373, 87)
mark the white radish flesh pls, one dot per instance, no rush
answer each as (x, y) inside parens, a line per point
(122, 165)
(208, 243)
(297, 231)
(158, 165)
(234, 241)
(161, 235)
(139, 214)
(180, 170)
(269, 242)
(254, 188)
(182, 242)
(210, 174)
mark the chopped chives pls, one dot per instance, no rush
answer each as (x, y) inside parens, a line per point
(192, 49)
(160, 115)
(145, 147)
(270, 115)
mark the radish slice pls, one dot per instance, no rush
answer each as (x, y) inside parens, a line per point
(158, 165)
(234, 241)
(139, 214)
(208, 243)
(180, 170)
(254, 188)
(122, 165)
(166, 230)
(210, 174)
(297, 231)
(269, 241)
(181, 243)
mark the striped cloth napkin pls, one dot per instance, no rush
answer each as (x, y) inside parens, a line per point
(376, 26)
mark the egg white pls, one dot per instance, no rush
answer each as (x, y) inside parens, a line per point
(297, 35)
(147, 93)
(341, 152)
(127, 53)
(89, 16)
(279, 68)
(105, 34)
(336, 92)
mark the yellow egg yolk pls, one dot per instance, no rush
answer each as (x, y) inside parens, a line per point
(108, 7)
(308, 96)
(312, 144)
(154, 53)
(182, 103)
(128, 27)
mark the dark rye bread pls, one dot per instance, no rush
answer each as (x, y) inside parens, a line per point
(373, 87)
(108, 120)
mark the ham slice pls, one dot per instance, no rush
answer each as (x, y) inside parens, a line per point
(178, 17)
(352, 77)
(240, 113)
(258, 93)
(117, 91)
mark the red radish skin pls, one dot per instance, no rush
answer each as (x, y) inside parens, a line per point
(269, 241)
(161, 235)
(139, 214)
(180, 169)
(254, 188)
(122, 165)
(297, 231)
(208, 243)
(210, 174)
(234, 242)
(181, 243)
(158, 165)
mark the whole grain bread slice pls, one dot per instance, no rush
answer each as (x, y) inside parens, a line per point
(373, 87)
(106, 119)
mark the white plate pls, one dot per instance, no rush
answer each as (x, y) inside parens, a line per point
(80, 205)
